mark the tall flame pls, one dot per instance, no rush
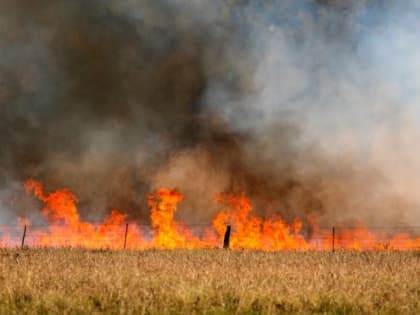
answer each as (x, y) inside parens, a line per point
(167, 232)
(66, 229)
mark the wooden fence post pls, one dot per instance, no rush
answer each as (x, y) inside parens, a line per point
(23, 237)
(333, 238)
(226, 241)
(125, 236)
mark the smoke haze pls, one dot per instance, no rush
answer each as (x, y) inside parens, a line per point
(307, 106)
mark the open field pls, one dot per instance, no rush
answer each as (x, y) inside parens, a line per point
(73, 281)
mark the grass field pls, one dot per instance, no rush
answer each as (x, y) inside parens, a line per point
(65, 281)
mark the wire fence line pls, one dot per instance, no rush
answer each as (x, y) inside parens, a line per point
(133, 235)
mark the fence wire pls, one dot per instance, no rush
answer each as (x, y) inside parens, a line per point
(137, 236)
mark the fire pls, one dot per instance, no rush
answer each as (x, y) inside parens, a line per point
(251, 232)
(167, 232)
(65, 228)
(60, 206)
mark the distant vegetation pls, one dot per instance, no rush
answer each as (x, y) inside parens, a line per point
(208, 282)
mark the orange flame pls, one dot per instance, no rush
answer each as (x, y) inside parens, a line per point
(66, 228)
(168, 233)
(251, 232)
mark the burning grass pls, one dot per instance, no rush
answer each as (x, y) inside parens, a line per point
(66, 228)
(208, 281)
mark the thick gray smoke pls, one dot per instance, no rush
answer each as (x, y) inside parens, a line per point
(288, 101)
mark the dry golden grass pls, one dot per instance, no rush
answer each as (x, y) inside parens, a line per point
(65, 281)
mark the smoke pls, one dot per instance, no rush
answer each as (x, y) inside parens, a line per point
(300, 104)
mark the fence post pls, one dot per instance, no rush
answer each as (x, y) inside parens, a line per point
(226, 241)
(333, 238)
(23, 237)
(125, 236)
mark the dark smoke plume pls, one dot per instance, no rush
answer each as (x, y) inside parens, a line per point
(112, 99)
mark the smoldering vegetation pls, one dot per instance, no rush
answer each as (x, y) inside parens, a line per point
(272, 98)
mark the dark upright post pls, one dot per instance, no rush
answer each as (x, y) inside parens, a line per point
(23, 237)
(125, 236)
(226, 241)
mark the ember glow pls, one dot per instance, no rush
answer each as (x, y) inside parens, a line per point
(66, 229)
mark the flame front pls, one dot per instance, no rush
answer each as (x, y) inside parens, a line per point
(168, 233)
(251, 232)
(66, 229)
